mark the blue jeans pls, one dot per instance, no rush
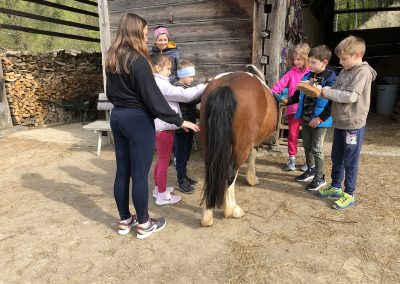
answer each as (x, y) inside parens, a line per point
(183, 148)
(345, 156)
(134, 137)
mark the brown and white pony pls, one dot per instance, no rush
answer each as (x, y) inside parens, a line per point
(237, 113)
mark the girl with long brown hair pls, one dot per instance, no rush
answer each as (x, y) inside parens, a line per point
(137, 101)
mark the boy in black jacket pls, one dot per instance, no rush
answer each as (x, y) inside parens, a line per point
(183, 140)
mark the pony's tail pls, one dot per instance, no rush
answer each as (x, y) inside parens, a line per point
(218, 151)
(254, 70)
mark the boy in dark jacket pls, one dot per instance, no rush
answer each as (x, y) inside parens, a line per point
(315, 115)
(183, 140)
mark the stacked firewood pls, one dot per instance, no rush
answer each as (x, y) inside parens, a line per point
(37, 86)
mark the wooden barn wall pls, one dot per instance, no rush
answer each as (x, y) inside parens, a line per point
(313, 28)
(215, 35)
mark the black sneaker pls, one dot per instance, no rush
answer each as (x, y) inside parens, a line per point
(185, 187)
(191, 181)
(155, 225)
(309, 174)
(316, 183)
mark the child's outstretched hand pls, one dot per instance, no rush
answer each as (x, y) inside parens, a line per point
(208, 80)
(284, 101)
(187, 125)
(314, 122)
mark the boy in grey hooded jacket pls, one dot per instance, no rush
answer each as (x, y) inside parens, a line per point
(350, 96)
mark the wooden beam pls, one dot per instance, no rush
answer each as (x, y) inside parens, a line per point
(366, 10)
(43, 32)
(62, 7)
(273, 47)
(5, 116)
(47, 19)
(259, 22)
(105, 42)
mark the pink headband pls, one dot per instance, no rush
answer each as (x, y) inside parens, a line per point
(160, 31)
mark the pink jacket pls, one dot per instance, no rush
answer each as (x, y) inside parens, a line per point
(290, 80)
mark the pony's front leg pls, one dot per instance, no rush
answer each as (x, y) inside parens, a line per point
(207, 218)
(251, 177)
(231, 209)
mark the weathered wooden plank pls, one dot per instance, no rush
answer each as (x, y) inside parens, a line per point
(181, 12)
(203, 30)
(229, 50)
(105, 106)
(104, 26)
(258, 26)
(5, 116)
(273, 46)
(98, 125)
(204, 71)
(160, 4)
(146, 3)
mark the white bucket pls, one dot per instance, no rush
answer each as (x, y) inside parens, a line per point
(386, 96)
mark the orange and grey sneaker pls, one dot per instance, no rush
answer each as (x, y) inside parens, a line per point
(153, 226)
(124, 229)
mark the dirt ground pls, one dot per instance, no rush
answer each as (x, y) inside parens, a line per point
(58, 220)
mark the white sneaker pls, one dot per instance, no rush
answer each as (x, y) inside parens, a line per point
(155, 190)
(167, 198)
(291, 164)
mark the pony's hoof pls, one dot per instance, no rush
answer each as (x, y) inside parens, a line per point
(238, 212)
(252, 180)
(207, 219)
(207, 223)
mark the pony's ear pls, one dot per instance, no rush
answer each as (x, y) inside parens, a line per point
(253, 70)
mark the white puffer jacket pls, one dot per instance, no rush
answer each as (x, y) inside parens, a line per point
(175, 95)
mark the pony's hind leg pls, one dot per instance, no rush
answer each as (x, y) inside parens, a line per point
(251, 177)
(207, 218)
(231, 209)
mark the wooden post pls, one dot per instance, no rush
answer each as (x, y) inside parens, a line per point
(105, 39)
(259, 23)
(273, 46)
(5, 116)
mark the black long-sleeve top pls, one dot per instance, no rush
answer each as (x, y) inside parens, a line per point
(188, 110)
(138, 89)
(326, 113)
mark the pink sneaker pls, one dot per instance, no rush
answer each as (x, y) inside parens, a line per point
(155, 190)
(167, 198)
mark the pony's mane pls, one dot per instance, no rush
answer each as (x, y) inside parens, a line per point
(221, 75)
(253, 70)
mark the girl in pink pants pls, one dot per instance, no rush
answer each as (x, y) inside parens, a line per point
(290, 80)
(165, 131)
